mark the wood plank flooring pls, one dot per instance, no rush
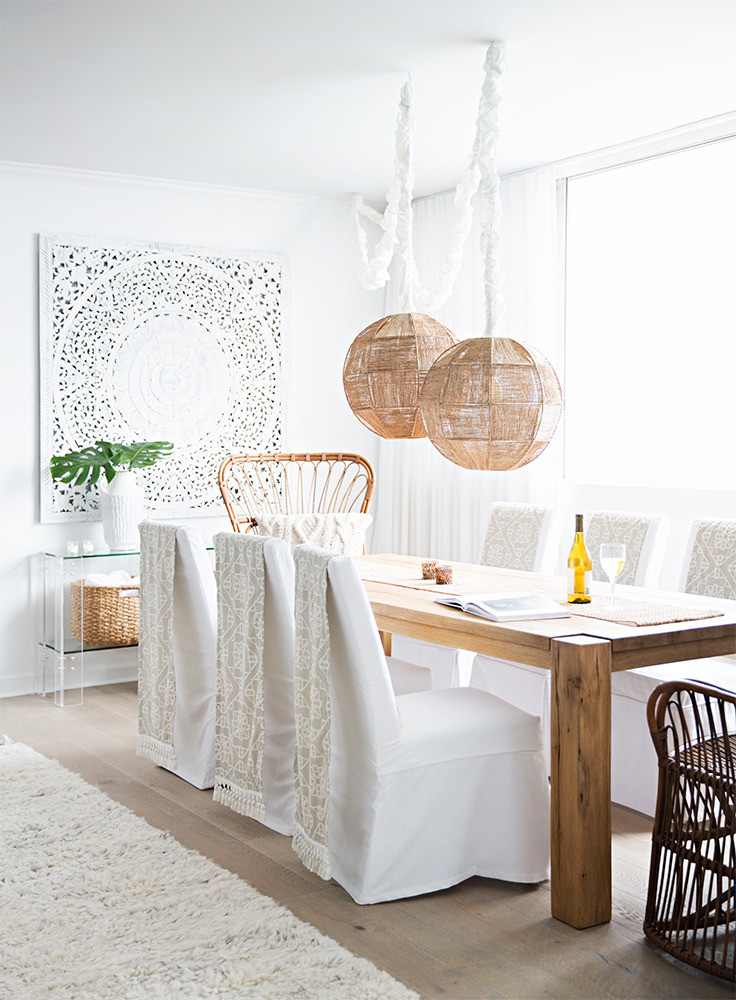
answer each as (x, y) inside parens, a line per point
(481, 940)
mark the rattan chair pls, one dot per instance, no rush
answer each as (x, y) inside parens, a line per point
(326, 483)
(691, 902)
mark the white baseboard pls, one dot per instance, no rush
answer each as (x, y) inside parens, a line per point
(108, 666)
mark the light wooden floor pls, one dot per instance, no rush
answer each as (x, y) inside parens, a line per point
(482, 939)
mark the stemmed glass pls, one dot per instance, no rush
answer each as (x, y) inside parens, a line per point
(613, 557)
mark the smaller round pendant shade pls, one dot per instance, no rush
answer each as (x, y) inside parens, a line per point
(491, 403)
(385, 368)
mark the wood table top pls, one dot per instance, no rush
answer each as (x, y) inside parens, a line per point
(404, 611)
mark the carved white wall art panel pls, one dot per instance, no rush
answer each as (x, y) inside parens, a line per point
(148, 342)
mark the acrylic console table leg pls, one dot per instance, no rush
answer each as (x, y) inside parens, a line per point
(581, 781)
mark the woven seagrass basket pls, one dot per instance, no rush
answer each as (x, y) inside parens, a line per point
(110, 615)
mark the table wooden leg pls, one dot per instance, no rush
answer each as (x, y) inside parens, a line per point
(386, 640)
(581, 781)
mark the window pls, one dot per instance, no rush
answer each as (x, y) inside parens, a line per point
(650, 353)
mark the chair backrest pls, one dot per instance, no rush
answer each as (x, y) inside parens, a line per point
(644, 536)
(709, 567)
(193, 651)
(365, 719)
(278, 676)
(278, 665)
(304, 483)
(520, 536)
(195, 600)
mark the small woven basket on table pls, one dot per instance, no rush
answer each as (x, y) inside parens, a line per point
(105, 616)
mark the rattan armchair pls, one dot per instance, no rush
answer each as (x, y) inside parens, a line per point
(691, 902)
(305, 483)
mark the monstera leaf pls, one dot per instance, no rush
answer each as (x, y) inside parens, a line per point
(84, 467)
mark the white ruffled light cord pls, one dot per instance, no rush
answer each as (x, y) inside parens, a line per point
(373, 273)
(396, 220)
(490, 239)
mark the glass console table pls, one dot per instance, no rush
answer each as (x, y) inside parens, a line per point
(62, 636)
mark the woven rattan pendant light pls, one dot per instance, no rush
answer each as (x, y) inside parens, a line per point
(491, 402)
(385, 368)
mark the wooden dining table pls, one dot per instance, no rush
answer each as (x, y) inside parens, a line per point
(582, 653)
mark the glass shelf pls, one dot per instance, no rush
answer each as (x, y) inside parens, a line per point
(60, 646)
(59, 653)
(90, 555)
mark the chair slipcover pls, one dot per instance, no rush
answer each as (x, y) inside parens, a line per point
(237, 722)
(429, 788)
(519, 536)
(644, 536)
(709, 569)
(192, 604)
(530, 687)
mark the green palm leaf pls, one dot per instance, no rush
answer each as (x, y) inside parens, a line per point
(84, 467)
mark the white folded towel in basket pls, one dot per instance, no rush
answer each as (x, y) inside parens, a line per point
(119, 578)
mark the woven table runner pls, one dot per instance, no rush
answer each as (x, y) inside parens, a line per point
(626, 611)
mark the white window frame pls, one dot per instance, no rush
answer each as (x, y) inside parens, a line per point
(713, 130)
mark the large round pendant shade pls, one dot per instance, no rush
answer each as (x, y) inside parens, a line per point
(491, 403)
(385, 368)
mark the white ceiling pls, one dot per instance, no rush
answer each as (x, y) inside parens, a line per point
(302, 96)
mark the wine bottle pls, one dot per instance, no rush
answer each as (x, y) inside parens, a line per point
(579, 568)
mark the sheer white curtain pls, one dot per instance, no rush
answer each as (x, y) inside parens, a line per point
(426, 505)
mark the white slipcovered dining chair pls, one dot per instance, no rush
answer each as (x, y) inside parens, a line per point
(403, 795)
(519, 536)
(254, 750)
(709, 570)
(177, 652)
(530, 687)
(644, 536)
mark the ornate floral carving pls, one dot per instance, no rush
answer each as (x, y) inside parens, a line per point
(149, 342)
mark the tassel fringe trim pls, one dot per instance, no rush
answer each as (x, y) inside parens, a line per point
(156, 751)
(313, 856)
(244, 801)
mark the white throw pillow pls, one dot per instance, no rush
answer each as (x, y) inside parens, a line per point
(335, 532)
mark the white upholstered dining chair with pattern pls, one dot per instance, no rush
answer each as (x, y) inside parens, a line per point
(708, 570)
(530, 687)
(519, 536)
(254, 748)
(410, 793)
(177, 652)
(644, 536)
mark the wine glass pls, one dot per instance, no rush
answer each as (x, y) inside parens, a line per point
(613, 557)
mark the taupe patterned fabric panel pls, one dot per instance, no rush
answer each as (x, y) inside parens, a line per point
(513, 536)
(617, 526)
(712, 569)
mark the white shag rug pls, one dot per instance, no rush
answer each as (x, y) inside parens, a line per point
(96, 904)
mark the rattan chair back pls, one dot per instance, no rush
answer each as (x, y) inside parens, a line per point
(691, 902)
(326, 483)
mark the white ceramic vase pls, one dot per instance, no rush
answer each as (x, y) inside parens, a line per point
(122, 511)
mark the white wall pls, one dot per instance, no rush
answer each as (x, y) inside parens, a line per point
(327, 310)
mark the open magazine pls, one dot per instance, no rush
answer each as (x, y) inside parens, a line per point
(507, 607)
